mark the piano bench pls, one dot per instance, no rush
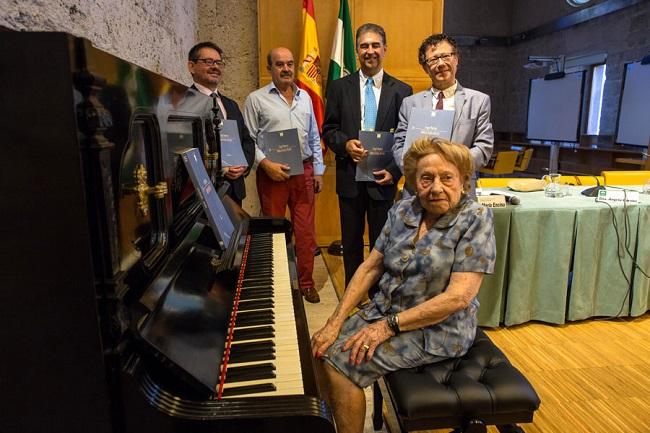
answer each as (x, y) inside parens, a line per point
(481, 388)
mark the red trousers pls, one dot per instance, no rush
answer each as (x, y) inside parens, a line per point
(298, 194)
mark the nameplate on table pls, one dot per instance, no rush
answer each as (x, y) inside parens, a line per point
(283, 147)
(424, 122)
(379, 145)
(618, 196)
(492, 200)
(232, 154)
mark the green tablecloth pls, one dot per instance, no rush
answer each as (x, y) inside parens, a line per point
(557, 260)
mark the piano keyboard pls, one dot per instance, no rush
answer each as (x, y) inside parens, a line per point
(264, 355)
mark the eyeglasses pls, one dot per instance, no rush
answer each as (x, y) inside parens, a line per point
(427, 180)
(211, 62)
(445, 57)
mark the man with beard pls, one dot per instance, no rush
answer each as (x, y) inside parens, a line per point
(366, 100)
(439, 58)
(278, 106)
(205, 64)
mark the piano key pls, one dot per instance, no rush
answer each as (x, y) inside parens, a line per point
(288, 379)
(250, 356)
(255, 304)
(252, 346)
(245, 390)
(254, 333)
(257, 317)
(251, 372)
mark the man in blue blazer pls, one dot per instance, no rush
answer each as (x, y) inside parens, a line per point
(205, 64)
(366, 100)
(438, 56)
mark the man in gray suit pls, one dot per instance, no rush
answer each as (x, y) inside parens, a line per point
(438, 56)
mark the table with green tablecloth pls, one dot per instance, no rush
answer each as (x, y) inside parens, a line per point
(557, 260)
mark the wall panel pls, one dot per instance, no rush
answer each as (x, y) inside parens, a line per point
(407, 23)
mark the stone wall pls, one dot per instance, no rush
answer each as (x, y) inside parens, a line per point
(528, 14)
(498, 71)
(154, 34)
(232, 24)
(478, 18)
(622, 35)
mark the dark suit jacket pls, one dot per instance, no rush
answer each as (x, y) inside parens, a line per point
(237, 188)
(342, 123)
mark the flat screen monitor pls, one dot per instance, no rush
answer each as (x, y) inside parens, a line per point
(634, 113)
(554, 108)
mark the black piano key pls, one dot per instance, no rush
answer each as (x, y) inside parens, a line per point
(251, 356)
(259, 268)
(254, 351)
(250, 372)
(252, 346)
(257, 282)
(251, 389)
(260, 258)
(263, 279)
(256, 294)
(257, 317)
(256, 304)
(256, 333)
(258, 275)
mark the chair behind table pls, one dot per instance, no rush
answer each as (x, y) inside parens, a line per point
(636, 177)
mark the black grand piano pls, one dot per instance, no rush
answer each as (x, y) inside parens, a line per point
(120, 310)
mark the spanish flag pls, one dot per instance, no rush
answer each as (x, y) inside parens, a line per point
(309, 74)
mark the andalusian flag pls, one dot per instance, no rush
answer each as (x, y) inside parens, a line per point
(342, 61)
(309, 75)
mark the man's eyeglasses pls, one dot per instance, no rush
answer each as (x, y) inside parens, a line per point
(445, 57)
(211, 62)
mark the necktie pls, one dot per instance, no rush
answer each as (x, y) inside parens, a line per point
(216, 101)
(439, 105)
(370, 107)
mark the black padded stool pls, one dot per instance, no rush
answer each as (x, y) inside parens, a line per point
(468, 393)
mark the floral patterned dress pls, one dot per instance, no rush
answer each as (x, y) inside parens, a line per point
(462, 240)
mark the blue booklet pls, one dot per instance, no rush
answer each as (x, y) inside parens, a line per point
(283, 147)
(232, 154)
(218, 219)
(425, 122)
(379, 145)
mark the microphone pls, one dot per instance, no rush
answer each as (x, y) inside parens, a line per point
(510, 198)
(593, 191)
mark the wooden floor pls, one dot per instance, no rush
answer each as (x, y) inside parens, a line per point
(591, 376)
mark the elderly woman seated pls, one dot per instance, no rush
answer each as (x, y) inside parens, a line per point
(429, 261)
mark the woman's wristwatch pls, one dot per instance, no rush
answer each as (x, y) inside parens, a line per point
(393, 323)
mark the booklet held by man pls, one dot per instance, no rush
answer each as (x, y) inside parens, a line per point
(425, 122)
(218, 218)
(379, 145)
(232, 154)
(283, 147)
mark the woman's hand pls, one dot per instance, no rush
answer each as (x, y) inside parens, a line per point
(364, 343)
(324, 338)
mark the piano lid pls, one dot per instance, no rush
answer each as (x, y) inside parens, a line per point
(187, 331)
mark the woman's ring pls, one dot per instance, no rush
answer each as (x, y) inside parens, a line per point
(365, 347)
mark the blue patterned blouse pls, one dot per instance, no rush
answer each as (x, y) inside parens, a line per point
(462, 240)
